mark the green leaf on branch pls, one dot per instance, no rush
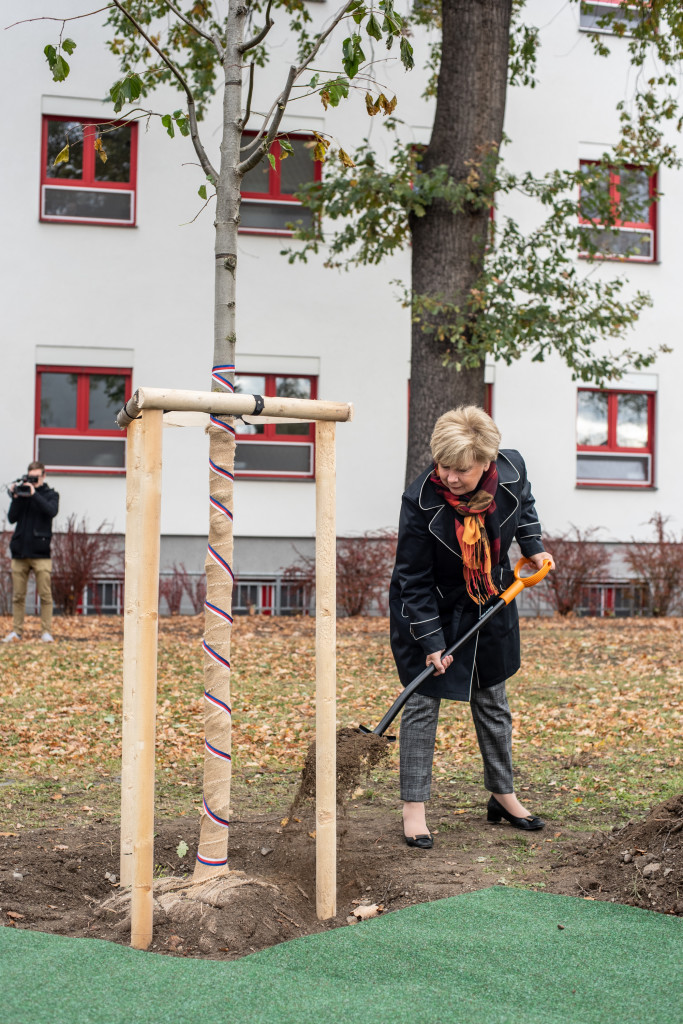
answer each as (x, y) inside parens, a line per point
(407, 54)
(334, 91)
(286, 149)
(373, 28)
(58, 66)
(167, 122)
(69, 45)
(126, 91)
(352, 55)
(271, 160)
(201, 191)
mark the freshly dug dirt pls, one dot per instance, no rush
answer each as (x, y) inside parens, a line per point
(640, 863)
(357, 754)
(65, 879)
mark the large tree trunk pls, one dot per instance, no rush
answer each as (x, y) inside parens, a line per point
(448, 249)
(212, 855)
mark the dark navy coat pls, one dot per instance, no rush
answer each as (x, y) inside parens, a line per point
(429, 605)
(33, 515)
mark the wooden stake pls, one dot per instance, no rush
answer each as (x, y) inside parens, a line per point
(325, 674)
(146, 683)
(130, 623)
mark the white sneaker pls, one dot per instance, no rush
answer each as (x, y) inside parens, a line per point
(11, 636)
(47, 638)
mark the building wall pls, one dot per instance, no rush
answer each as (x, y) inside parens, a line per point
(143, 297)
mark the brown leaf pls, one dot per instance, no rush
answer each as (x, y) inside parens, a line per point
(14, 915)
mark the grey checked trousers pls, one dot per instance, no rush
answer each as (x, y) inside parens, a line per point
(493, 723)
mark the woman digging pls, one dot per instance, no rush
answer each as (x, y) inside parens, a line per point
(458, 520)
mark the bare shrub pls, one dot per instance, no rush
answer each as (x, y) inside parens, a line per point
(172, 588)
(195, 588)
(364, 566)
(579, 560)
(658, 565)
(79, 558)
(5, 573)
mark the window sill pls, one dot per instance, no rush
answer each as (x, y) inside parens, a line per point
(85, 471)
(618, 485)
(275, 476)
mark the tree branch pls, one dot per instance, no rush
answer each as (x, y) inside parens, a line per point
(218, 46)
(191, 111)
(260, 36)
(249, 95)
(322, 37)
(47, 17)
(280, 105)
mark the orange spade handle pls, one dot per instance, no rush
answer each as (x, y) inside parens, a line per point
(524, 581)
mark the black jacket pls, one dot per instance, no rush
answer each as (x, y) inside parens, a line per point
(428, 603)
(33, 516)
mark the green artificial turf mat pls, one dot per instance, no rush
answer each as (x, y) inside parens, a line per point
(488, 957)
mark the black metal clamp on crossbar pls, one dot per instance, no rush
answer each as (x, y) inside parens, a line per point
(520, 583)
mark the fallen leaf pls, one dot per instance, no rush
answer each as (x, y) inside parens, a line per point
(60, 846)
(285, 821)
(15, 916)
(312, 834)
(9, 834)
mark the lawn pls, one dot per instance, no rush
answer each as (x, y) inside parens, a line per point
(597, 706)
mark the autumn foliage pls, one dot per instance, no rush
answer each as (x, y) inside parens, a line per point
(579, 560)
(658, 565)
(364, 566)
(81, 557)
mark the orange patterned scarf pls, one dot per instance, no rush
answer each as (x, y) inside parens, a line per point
(479, 554)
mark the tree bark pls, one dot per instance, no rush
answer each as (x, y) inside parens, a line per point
(212, 855)
(448, 248)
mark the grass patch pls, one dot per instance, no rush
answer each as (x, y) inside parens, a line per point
(597, 711)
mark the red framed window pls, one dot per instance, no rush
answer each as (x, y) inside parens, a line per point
(269, 202)
(278, 448)
(635, 239)
(608, 16)
(615, 438)
(75, 429)
(88, 172)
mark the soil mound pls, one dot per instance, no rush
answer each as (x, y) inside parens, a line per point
(640, 863)
(357, 754)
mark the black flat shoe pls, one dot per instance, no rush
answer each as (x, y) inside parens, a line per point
(422, 842)
(496, 811)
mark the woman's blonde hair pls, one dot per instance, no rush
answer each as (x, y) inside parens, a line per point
(463, 436)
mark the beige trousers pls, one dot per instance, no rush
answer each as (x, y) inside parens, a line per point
(21, 570)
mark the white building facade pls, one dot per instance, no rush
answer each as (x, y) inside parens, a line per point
(108, 285)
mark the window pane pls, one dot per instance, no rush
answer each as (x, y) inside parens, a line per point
(595, 197)
(593, 13)
(293, 428)
(292, 387)
(257, 179)
(257, 457)
(58, 400)
(82, 453)
(622, 242)
(596, 468)
(58, 134)
(90, 204)
(107, 395)
(116, 149)
(591, 420)
(632, 421)
(634, 193)
(249, 384)
(274, 216)
(296, 169)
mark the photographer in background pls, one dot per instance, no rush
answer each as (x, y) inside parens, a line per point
(34, 506)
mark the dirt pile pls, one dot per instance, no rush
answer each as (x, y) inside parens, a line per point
(640, 863)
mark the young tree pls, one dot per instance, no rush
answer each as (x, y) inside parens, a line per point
(478, 291)
(202, 48)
